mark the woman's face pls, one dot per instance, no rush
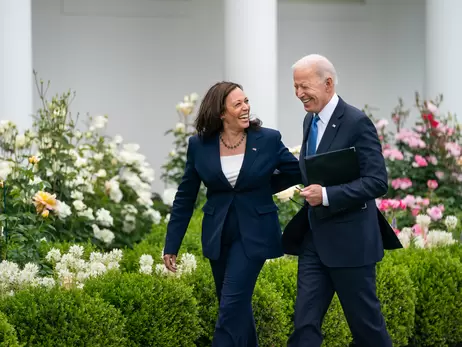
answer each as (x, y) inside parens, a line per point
(237, 108)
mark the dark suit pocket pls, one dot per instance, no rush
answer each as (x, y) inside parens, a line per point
(351, 215)
(266, 208)
(208, 209)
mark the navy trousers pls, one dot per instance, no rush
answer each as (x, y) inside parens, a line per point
(235, 276)
(356, 289)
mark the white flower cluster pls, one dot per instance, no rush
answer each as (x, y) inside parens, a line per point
(169, 196)
(434, 238)
(12, 278)
(186, 107)
(5, 169)
(72, 270)
(451, 222)
(423, 220)
(186, 264)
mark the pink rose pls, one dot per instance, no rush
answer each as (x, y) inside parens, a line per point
(432, 160)
(435, 213)
(439, 174)
(401, 183)
(417, 229)
(381, 124)
(392, 154)
(432, 184)
(419, 161)
(453, 148)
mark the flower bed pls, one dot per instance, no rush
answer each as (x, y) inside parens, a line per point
(84, 239)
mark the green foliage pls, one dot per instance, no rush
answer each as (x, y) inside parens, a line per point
(434, 141)
(397, 296)
(437, 277)
(99, 188)
(270, 315)
(203, 285)
(57, 317)
(282, 273)
(8, 336)
(160, 311)
(335, 327)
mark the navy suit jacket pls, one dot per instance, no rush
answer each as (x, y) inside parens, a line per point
(252, 195)
(351, 236)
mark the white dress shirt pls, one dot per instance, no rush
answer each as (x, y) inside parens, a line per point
(324, 118)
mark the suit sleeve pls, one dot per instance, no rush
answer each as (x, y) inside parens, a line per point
(373, 182)
(288, 168)
(183, 205)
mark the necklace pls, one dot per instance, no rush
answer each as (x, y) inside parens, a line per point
(232, 146)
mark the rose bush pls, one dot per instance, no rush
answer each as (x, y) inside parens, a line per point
(64, 179)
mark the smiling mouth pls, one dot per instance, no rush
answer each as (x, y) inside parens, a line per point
(244, 116)
(305, 101)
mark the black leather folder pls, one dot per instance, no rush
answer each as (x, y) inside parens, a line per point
(331, 169)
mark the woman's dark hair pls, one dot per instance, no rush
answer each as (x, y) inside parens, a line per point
(208, 121)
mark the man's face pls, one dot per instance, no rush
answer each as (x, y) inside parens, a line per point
(313, 91)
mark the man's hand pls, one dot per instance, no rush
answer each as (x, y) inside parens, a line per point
(312, 194)
(170, 262)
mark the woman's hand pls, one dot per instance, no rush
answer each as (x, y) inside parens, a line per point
(170, 262)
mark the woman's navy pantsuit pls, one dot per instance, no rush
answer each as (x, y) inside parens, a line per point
(240, 228)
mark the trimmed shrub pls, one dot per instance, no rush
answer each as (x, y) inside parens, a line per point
(437, 276)
(335, 327)
(282, 273)
(397, 296)
(8, 336)
(160, 311)
(59, 317)
(131, 257)
(203, 286)
(270, 315)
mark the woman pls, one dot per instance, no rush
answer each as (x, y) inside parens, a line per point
(235, 158)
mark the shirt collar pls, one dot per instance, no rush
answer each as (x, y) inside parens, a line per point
(328, 110)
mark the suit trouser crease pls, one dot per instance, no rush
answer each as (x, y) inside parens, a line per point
(235, 276)
(356, 289)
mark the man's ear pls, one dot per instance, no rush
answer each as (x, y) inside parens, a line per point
(329, 83)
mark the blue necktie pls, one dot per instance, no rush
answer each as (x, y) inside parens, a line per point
(311, 147)
(313, 136)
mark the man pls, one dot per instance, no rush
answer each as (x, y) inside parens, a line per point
(339, 252)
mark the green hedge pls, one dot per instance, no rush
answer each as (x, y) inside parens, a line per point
(437, 277)
(8, 337)
(420, 294)
(160, 311)
(397, 295)
(59, 317)
(403, 276)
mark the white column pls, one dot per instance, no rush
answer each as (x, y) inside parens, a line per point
(16, 76)
(251, 54)
(443, 53)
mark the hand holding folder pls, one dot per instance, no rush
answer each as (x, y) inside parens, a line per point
(332, 168)
(341, 167)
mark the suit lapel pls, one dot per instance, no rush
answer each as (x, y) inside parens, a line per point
(306, 132)
(332, 128)
(251, 153)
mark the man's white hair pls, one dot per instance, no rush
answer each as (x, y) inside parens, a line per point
(324, 68)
